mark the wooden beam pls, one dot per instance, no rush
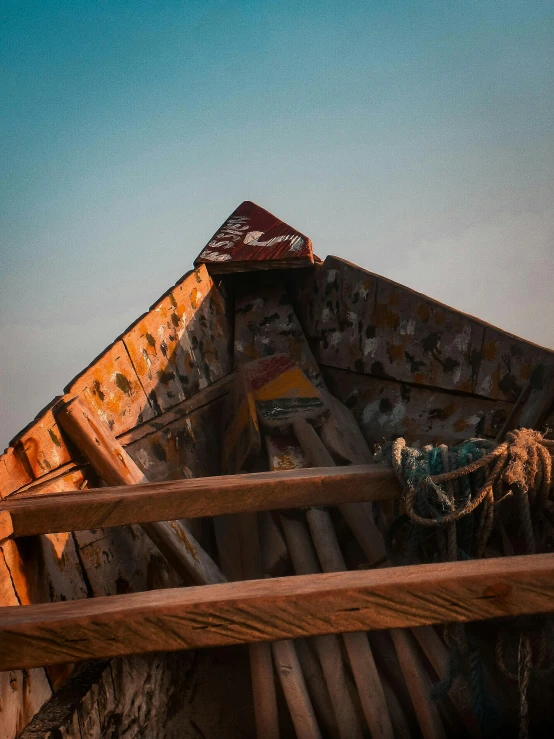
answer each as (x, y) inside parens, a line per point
(198, 497)
(266, 610)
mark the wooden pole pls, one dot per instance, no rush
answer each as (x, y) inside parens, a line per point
(239, 554)
(412, 669)
(112, 463)
(305, 562)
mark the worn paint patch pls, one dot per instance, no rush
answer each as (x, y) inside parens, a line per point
(111, 386)
(387, 409)
(364, 323)
(182, 344)
(266, 325)
(253, 238)
(507, 364)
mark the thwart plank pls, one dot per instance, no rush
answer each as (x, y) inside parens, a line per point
(266, 610)
(198, 497)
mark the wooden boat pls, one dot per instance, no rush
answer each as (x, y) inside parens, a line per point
(86, 651)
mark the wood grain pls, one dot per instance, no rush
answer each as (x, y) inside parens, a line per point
(283, 608)
(22, 693)
(252, 239)
(196, 498)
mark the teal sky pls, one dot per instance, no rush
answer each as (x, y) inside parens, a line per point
(413, 138)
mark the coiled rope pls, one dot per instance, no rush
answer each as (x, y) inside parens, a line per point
(442, 486)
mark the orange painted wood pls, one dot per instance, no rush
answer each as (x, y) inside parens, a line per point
(252, 238)
(42, 443)
(283, 608)
(198, 497)
(182, 344)
(22, 693)
(177, 413)
(13, 474)
(111, 386)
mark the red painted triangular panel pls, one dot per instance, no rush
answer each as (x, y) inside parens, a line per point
(252, 238)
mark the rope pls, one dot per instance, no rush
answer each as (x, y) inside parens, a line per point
(521, 466)
(444, 488)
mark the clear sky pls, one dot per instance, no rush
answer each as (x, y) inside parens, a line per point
(413, 138)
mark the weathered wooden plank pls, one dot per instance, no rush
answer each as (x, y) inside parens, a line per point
(199, 497)
(359, 321)
(93, 437)
(216, 390)
(187, 447)
(335, 305)
(13, 474)
(22, 693)
(266, 324)
(176, 424)
(42, 443)
(385, 409)
(252, 239)
(68, 477)
(183, 343)
(265, 610)
(111, 386)
(507, 364)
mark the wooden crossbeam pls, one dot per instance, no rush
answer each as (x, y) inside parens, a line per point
(195, 498)
(267, 610)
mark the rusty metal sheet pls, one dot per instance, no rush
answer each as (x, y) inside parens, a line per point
(266, 324)
(371, 325)
(42, 443)
(252, 238)
(112, 387)
(183, 343)
(507, 364)
(385, 410)
(13, 474)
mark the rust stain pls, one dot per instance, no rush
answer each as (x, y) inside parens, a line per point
(489, 350)
(395, 352)
(183, 538)
(424, 312)
(384, 317)
(525, 372)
